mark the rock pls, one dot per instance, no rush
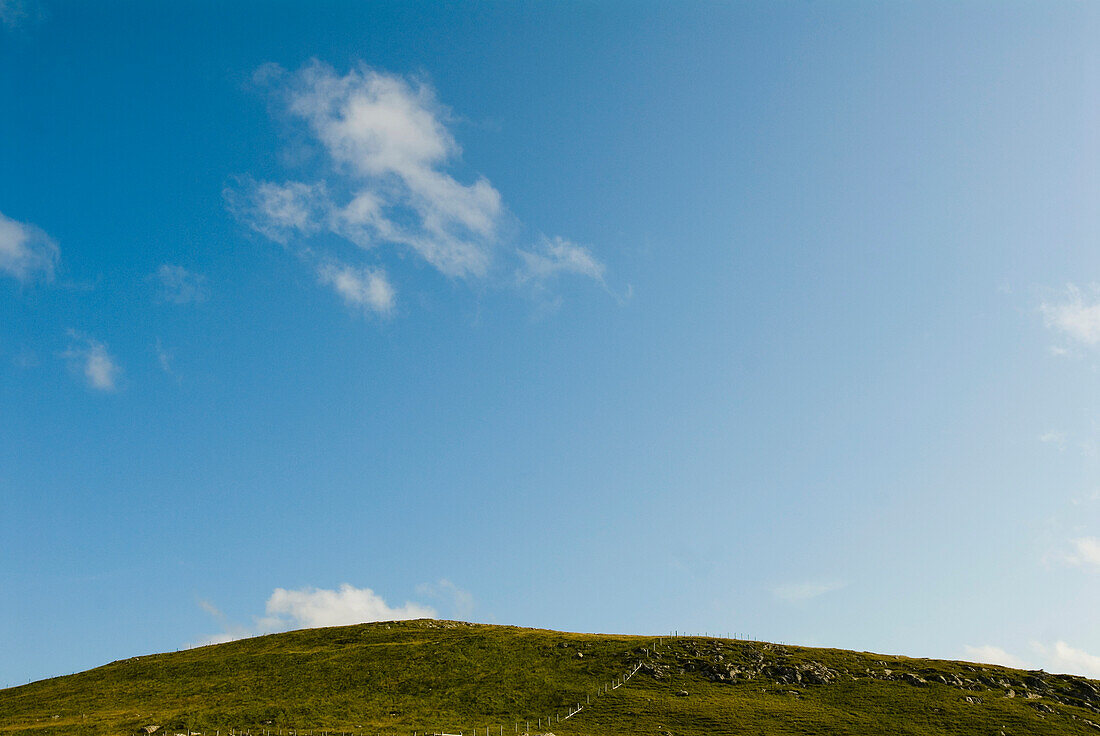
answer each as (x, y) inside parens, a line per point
(1036, 683)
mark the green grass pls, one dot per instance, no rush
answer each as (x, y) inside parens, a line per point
(401, 677)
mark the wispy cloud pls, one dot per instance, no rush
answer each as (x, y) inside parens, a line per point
(1089, 497)
(387, 181)
(1075, 315)
(26, 252)
(989, 654)
(12, 12)
(460, 602)
(365, 288)
(180, 286)
(1058, 657)
(1086, 552)
(279, 212)
(554, 256)
(307, 608)
(165, 358)
(1054, 437)
(91, 358)
(1061, 657)
(25, 359)
(805, 590)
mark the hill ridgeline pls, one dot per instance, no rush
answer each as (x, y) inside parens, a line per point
(445, 677)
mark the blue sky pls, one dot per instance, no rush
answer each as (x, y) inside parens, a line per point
(779, 319)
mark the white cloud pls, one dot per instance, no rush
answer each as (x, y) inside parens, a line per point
(989, 654)
(388, 144)
(553, 256)
(1058, 658)
(308, 608)
(91, 358)
(180, 286)
(461, 602)
(26, 252)
(1086, 552)
(359, 287)
(315, 607)
(279, 212)
(1074, 316)
(803, 591)
(387, 181)
(1064, 658)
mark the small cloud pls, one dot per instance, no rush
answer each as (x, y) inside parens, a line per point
(365, 288)
(1064, 658)
(804, 591)
(460, 602)
(180, 286)
(212, 609)
(91, 358)
(1086, 552)
(1054, 437)
(988, 654)
(222, 638)
(279, 212)
(554, 256)
(164, 358)
(1087, 498)
(1074, 315)
(1059, 657)
(26, 253)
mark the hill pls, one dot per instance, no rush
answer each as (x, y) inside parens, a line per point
(449, 677)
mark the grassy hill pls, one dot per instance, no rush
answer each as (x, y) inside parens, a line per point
(442, 676)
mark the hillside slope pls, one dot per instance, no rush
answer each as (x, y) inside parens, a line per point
(440, 676)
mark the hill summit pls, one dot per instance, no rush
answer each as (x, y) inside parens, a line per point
(447, 677)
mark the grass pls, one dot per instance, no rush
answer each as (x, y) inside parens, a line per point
(401, 677)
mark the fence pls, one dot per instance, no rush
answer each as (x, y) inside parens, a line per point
(542, 723)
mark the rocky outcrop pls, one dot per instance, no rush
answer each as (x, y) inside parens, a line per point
(768, 664)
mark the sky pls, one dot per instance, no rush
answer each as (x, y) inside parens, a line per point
(768, 319)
